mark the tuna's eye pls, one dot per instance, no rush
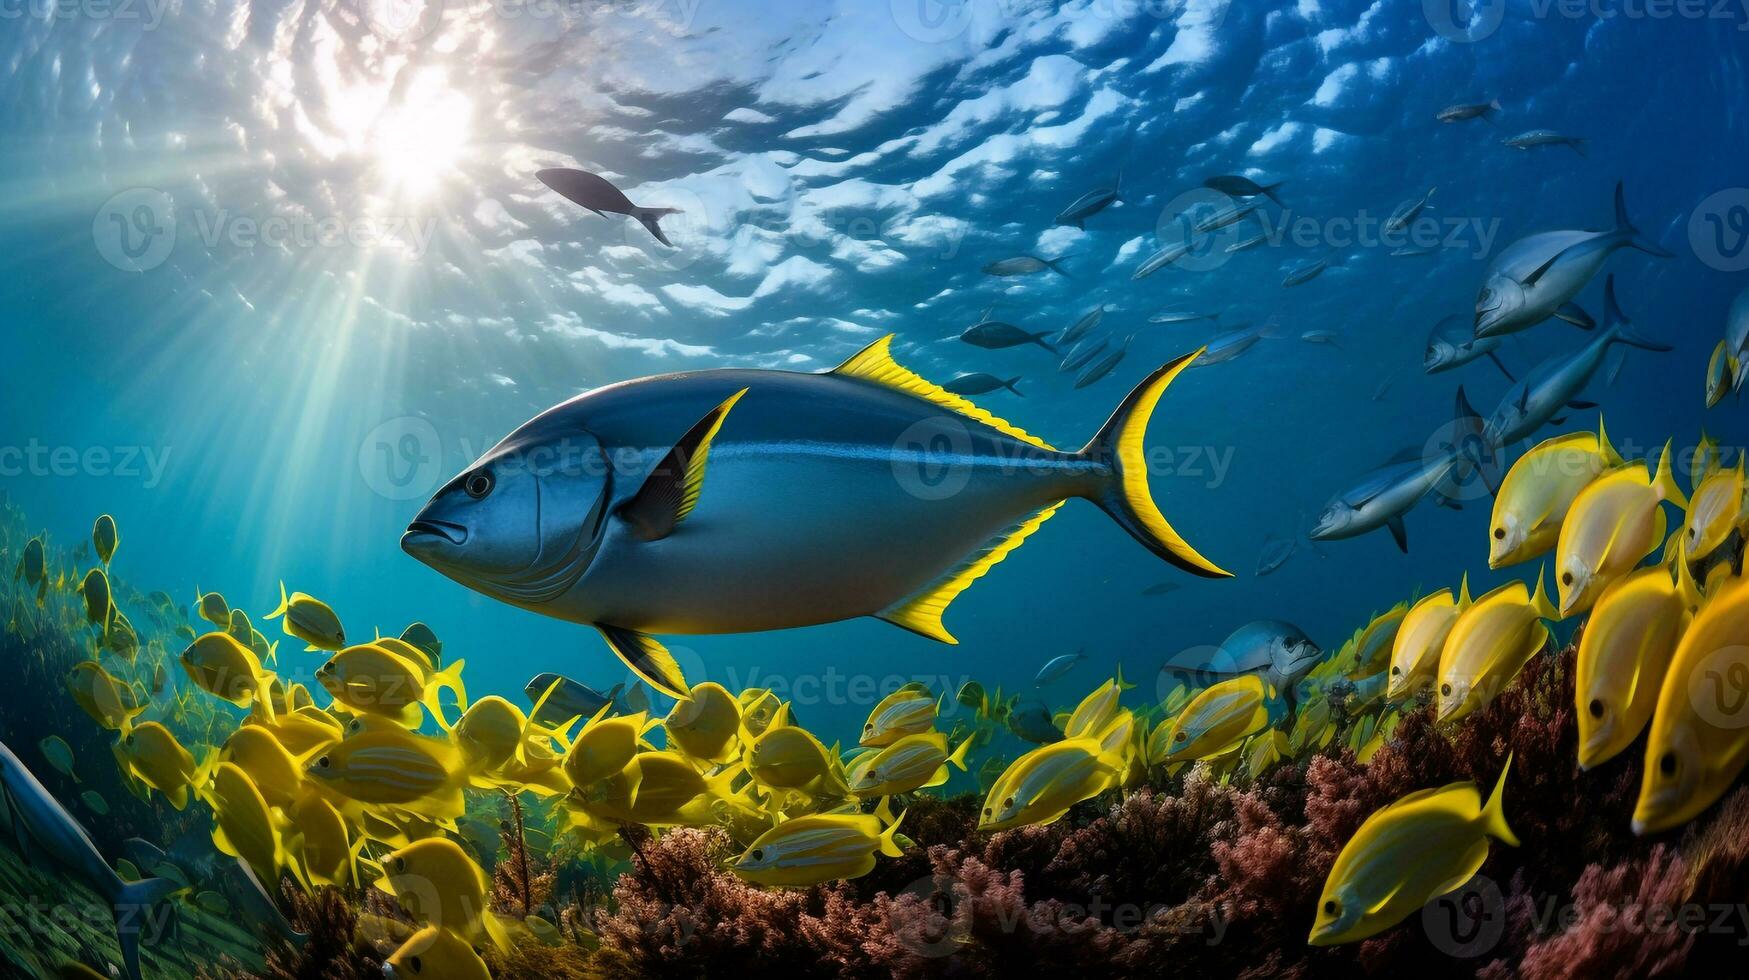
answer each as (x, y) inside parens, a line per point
(1667, 764)
(1500, 534)
(478, 483)
(1330, 907)
(1596, 708)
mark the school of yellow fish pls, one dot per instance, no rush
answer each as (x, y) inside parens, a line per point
(363, 780)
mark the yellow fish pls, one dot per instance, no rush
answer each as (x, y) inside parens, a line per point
(95, 590)
(908, 711)
(1538, 491)
(490, 733)
(790, 757)
(397, 769)
(109, 702)
(241, 630)
(819, 848)
(1313, 728)
(156, 758)
(758, 707)
(1489, 644)
(104, 538)
(1406, 854)
(212, 608)
(1721, 374)
(605, 746)
(369, 678)
(1415, 650)
(439, 885)
(436, 954)
(120, 638)
(322, 840)
(1264, 751)
(1614, 523)
(655, 788)
(1041, 786)
(309, 619)
(911, 763)
(1215, 721)
(302, 729)
(1716, 510)
(275, 771)
(245, 827)
(412, 652)
(228, 670)
(1699, 739)
(703, 724)
(1623, 655)
(1097, 709)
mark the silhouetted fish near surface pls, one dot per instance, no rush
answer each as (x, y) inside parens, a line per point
(1407, 212)
(1464, 112)
(1025, 265)
(1302, 274)
(742, 500)
(1181, 316)
(1237, 185)
(1086, 351)
(593, 192)
(1081, 327)
(1056, 667)
(1276, 551)
(1161, 259)
(980, 384)
(998, 335)
(1102, 367)
(1090, 204)
(1235, 342)
(1534, 138)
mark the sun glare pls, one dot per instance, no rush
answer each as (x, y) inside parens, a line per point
(420, 139)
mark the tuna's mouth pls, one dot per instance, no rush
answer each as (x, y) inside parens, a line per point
(453, 533)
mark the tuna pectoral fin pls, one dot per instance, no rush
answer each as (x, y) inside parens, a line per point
(921, 614)
(671, 490)
(1399, 533)
(1125, 495)
(1572, 313)
(132, 906)
(1502, 366)
(647, 658)
(20, 832)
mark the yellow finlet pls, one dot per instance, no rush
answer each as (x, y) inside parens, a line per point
(875, 363)
(922, 613)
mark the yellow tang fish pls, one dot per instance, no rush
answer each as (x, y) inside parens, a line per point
(1406, 854)
(758, 707)
(436, 954)
(656, 789)
(908, 711)
(156, 758)
(1264, 751)
(369, 678)
(818, 848)
(1699, 739)
(302, 729)
(911, 763)
(109, 702)
(1097, 709)
(1614, 523)
(1489, 644)
(245, 827)
(1623, 655)
(95, 590)
(275, 771)
(228, 670)
(439, 885)
(1717, 509)
(1314, 727)
(309, 619)
(1419, 642)
(1538, 491)
(397, 769)
(537, 768)
(104, 538)
(212, 608)
(1372, 645)
(1041, 786)
(323, 841)
(491, 733)
(703, 724)
(1216, 721)
(789, 757)
(605, 746)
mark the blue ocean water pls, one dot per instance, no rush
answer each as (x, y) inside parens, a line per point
(274, 272)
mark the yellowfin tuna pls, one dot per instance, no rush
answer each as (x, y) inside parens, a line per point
(1405, 855)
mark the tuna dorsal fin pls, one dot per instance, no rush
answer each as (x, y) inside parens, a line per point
(875, 363)
(922, 613)
(671, 490)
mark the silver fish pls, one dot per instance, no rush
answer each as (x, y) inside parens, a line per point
(593, 192)
(1329, 337)
(1252, 242)
(1086, 351)
(46, 835)
(1025, 265)
(570, 699)
(1537, 277)
(741, 500)
(1477, 110)
(1281, 653)
(1234, 342)
(1031, 720)
(1306, 273)
(1276, 551)
(1453, 343)
(1407, 212)
(998, 335)
(1223, 217)
(1181, 316)
(1557, 382)
(1162, 258)
(1531, 139)
(1102, 367)
(1235, 185)
(1390, 491)
(981, 384)
(1057, 666)
(1090, 204)
(1737, 335)
(1081, 327)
